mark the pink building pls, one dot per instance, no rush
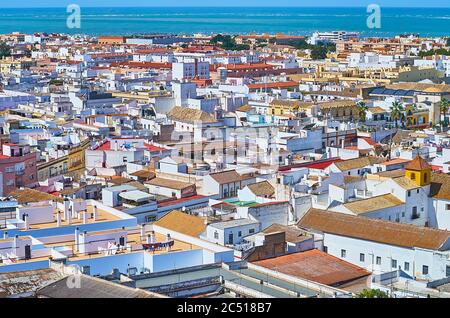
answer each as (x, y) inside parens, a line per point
(17, 168)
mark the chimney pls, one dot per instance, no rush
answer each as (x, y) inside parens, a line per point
(95, 212)
(58, 219)
(77, 233)
(27, 222)
(5, 235)
(168, 240)
(142, 231)
(69, 216)
(16, 242)
(66, 208)
(85, 216)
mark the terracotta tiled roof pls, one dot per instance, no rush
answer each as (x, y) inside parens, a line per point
(190, 115)
(440, 186)
(373, 204)
(228, 177)
(375, 230)
(316, 266)
(183, 223)
(357, 163)
(168, 183)
(29, 195)
(262, 189)
(418, 164)
(292, 233)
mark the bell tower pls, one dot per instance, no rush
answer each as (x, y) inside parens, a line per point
(418, 171)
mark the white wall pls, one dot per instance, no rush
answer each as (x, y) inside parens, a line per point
(436, 261)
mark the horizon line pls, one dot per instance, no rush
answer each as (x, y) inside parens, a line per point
(225, 6)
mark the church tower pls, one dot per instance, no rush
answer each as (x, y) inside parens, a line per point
(418, 171)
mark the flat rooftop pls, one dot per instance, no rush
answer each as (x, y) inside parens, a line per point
(102, 216)
(248, 278)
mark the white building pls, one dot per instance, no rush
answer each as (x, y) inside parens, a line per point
(381, 246)
(231, 232)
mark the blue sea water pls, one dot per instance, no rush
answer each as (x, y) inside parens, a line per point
(189, 20)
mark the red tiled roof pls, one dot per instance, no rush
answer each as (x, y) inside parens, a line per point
(105, 146)
(316, 266)
(248, 66)
(418, 164)
(273, 85)
(369, 141)
(153, 148)
(322, 165)
(173, 202)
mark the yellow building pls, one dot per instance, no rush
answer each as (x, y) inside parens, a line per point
(416, 117)
(418, 171)
(284, 107)
(76, 157)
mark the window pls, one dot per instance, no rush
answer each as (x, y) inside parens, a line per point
(251, 231)
(409, 193)
(362, 257)
(447, 271)
(407, 266)
(239, 234)
(216, 235)
(394, 263)
(378, 260)
(417, 191)
(343, 253)
(325, 249)
(447, 207)
(425, 178)
(424, 270)
(10, 182)
(415, 215)
(413, 176)
(9, 169)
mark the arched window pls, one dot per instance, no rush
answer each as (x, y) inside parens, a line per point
(413, 176)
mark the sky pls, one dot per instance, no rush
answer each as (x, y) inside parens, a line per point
(237, 3)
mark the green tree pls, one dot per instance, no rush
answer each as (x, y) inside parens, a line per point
(5, 50)
(396, 112)
(444, 106)
(362, 110)
(319, 53)
(372, 293)
(227, 42)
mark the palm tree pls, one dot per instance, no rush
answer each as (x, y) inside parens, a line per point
(396, 112)
(362, 110)
(444, 106)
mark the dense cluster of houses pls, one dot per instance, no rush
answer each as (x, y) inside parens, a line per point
(138, 159)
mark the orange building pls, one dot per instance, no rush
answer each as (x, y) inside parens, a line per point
(112, 39)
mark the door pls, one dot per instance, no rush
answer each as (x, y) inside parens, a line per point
(27, 251)
(230, 238)
(122, 241)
